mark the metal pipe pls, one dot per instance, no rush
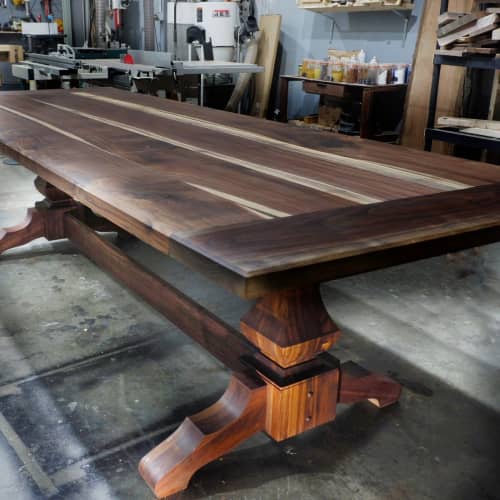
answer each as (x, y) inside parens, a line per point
(100, 22)
(149, 25)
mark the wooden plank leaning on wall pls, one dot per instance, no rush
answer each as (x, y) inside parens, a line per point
(452, 79)
(270, 30)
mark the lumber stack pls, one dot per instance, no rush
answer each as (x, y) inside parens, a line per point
(485, 128)
(469, 33)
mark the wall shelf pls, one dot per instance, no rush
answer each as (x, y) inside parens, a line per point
(403, 10)
(322, 8)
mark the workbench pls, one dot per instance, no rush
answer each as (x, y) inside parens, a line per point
(264, 209)
(362, 93)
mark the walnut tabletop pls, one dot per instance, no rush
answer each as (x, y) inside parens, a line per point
(194, 181)
(265, 209)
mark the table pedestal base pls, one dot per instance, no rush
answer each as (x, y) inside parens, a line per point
(283, 382)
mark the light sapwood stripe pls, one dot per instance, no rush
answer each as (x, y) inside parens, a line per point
(256, 208)
(324, 187)
(53, 128)
(393, 171)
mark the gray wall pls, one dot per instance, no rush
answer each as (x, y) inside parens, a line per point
(307, 34)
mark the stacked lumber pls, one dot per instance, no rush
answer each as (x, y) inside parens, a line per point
(469, 33)
(486, 128)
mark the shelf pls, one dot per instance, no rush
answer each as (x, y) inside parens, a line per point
(404, 11)
(454, 136)
(321, 8)
(472, 61)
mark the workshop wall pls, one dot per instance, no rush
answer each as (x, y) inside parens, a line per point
(307, 34)
(6, 13)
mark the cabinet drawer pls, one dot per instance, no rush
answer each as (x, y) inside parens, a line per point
(324, 89)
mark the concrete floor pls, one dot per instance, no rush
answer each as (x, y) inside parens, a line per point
(91, 378)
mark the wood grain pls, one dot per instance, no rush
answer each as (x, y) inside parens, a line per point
(358, 384)
(219, 339)
(290, 327)
(176, 176)
(306, 405)
(202, 438)
(31, 228)
(265, 247)
(269, 38)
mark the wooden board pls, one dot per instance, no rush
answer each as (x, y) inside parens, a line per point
(482, 25)
(482, 131)
(449, 17)
(11, 53)
(464, 51)
(451, 121)
(170, 173)
(270, 31)
(455, 25)
(450, 95)
(267, 247)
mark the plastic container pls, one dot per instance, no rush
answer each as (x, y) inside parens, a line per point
(324, 74)
(400, 73)
(383, 74)
(316, 73)
(373, 71)
(307, 68)
(390, 73)
(351, 72)
(337, 71)
(363, 74)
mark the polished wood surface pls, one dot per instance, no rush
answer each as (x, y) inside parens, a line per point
(290, 327)
(283, 382)
(221, 340)
(177, 176)
(206, 436)
(265, 209)
(258, 248)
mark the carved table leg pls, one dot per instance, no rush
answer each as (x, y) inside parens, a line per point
(292, 385)
(358, 384)
(30, 229)
(46, 219)
(204, 437)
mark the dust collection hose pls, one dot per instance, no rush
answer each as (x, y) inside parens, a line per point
(244, 78)
(100, 21)
(149, 25)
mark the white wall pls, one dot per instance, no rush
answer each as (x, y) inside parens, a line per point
(307, 34)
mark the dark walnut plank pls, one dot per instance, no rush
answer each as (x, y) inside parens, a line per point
(335, 174)
(268, 247)
(469, 172)
(271, 195)
(139, 198)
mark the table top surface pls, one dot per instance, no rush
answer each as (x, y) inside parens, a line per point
(252, 196)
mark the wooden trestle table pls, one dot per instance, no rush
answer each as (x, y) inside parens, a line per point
(265, 209)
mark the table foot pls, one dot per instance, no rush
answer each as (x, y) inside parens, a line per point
(358, 384)
(45, 220)
(206, 436)
(30, 229)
